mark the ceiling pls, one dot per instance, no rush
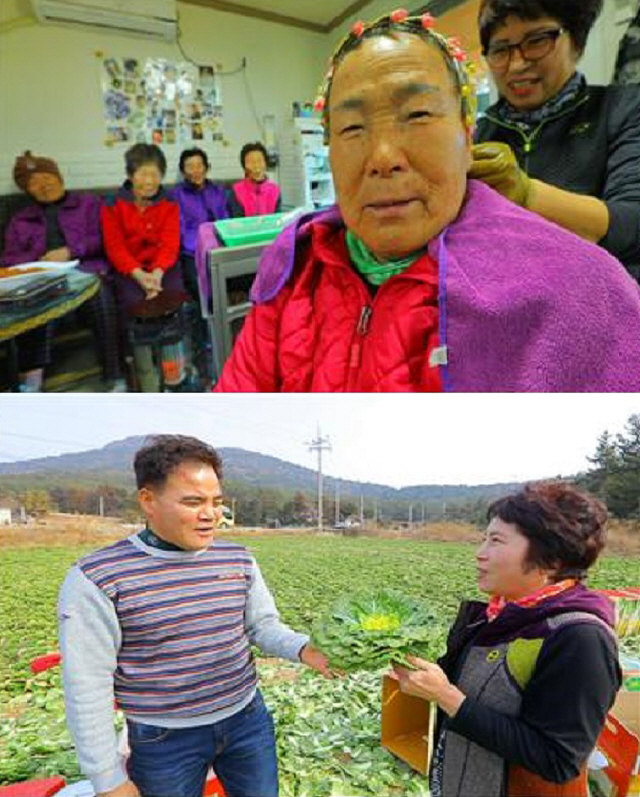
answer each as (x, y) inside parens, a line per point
(317, 15)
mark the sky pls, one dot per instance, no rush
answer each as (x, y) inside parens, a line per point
(397, 440)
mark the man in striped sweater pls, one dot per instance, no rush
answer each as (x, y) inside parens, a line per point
(162, 623)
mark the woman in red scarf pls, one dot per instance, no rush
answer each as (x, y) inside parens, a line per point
(527, 679)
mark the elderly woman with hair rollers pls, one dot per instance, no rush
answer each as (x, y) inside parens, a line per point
(527, 679)
(552, 143)
(419, 280)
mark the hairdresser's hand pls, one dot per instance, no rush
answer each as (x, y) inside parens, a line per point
(495, 164)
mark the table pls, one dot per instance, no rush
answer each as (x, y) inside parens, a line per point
(215, 265)
(80, 287)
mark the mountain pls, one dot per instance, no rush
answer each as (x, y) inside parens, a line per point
(112, 464)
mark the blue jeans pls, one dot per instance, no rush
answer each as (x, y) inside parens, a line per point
(173, 762)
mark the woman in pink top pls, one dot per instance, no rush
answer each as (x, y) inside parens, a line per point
(255, 195)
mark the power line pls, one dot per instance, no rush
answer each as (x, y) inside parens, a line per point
(44, 439)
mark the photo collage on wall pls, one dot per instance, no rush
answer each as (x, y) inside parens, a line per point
(161, 102)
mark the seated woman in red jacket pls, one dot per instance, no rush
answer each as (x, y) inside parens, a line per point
(255, 195)
(141, 230)
(420, 280)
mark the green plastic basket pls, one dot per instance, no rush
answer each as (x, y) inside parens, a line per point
(251, 229)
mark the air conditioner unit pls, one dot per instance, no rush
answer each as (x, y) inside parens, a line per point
(157, 19)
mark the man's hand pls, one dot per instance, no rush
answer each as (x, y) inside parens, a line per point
(429, 682)
(495, 164)
(315, 659)
(60, 255)
(126, 789)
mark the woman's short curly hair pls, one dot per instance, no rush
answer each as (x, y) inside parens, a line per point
(253, 146)
(142, 155)
(194, 152)
(565, 526)
(575, 16)
(163, 453)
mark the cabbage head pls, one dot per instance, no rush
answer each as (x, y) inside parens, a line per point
(369, 631)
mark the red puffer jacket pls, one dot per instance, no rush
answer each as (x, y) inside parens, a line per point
(324, 331)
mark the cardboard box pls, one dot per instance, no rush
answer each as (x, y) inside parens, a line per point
(407, 726)
(627, 710)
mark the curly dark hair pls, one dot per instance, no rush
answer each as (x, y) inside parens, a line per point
(192, 153)
(163, 453)
(565, 526)
(255, 146)
(575, 16)
(142, 154)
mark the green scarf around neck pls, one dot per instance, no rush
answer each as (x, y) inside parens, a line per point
(372, 269)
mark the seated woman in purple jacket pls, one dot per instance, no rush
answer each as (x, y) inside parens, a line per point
(200, 201)
(255, 195)
(60, 225)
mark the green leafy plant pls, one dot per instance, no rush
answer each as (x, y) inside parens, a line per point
(328, 732)
(369, 631)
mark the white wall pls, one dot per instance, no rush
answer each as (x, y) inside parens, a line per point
(601, 52)
(50, 96)
(374, 9)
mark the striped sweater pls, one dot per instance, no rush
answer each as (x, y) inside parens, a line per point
(165, 633)
(183, 641)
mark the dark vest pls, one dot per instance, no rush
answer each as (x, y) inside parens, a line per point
(497, 675)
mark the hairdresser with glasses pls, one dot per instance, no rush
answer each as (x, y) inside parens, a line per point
(565, 150)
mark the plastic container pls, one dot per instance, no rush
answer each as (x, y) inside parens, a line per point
(45, 787)
(251, 229)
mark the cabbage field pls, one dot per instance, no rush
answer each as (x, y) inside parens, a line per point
(328, 731)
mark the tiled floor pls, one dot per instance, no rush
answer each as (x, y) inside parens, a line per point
(75, 367)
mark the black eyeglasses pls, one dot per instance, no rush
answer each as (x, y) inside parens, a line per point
(532, 48)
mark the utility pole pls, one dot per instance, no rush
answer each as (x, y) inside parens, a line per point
(101, 510)
(361, 509)
(337, 503)
(422, 508)
(319, 444)
(410, 515)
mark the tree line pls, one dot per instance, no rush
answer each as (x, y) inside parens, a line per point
(615, 473)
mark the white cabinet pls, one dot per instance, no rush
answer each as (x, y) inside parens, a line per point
(305, 177)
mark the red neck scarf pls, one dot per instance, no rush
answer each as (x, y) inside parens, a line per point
(498, 602)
